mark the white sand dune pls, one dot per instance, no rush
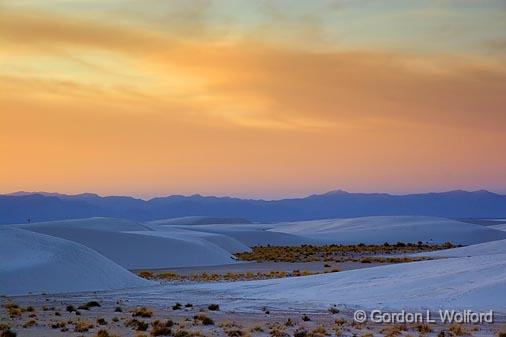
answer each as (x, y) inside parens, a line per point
(96, 223)
(255, 234)
(197, 220)
(486, 248)
(137, 246)
(461, 283)
(500, 227)
(391, 229)
(38, 263)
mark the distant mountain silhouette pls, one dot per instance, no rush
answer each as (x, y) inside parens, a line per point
(40, 206)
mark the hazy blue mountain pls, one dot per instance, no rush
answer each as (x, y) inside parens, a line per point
(40, 206)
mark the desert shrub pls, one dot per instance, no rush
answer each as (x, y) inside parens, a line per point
(29, 324)
(101, 321)
(306, 318)
(13, 310)
(213, 307)
(162, 328)
(501, 334)
(4, 326)
(319, 332)
(146, 274)
(59, 325)
(177, 306)
(137, 325)
(182, 333)
(289, 322)
(457, 330)
(70, 308)
(204, 319)
(257, 328)
(276, 332)
(82, 326)
(188, 305)
(367, 334)
(115, 319)
(142, 312)
(333, 310)
(236, 333)
(118, 309)
(88, 305)
(8, 333)
(423, 328)
(102, 333)
(300, 333)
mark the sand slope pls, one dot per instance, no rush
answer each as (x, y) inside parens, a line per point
(136, 246)
(37, 263)
(486, 248)
(461, 283)
(392, 229)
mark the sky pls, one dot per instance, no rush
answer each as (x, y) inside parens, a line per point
(252, 98)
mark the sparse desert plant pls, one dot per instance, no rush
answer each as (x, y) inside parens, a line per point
(457, 330)
(501, 334)
(8, 333)
(300, 333)
(177, 306)
(289, 322)
(257, 328)
(88, 305)
(83, 326)
(118, 309)
(146, 274)
(102, 333)
(59, 325)
(236, 333)
(101, 321)
(142, 312)
(137, 325)
(319, 332)
(162, 328)
(423, 328)
(306, 318)
(213, 307)
(4, 326)
(70, 308)
(29, 323)
(204, 319)
(277, 332)
(367, 334)
(333, 310)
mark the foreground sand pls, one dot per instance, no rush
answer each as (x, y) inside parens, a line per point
(50, 317)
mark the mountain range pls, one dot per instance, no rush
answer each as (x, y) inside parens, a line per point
(21, 207)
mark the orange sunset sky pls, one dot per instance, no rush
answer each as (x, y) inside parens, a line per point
(252, 98)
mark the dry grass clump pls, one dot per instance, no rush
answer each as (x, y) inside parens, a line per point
(458, 330)
(300, 332)
(4, 326)
(162, 328)
(142, 312)
(393, 330)
(104, 333)
(137, 325)
(101, 321)
(333, 253)
(59, 325)
(83, 326)
(29, 323)
(318, 332)
(424, 328)
(13, 309)
(203, 319)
